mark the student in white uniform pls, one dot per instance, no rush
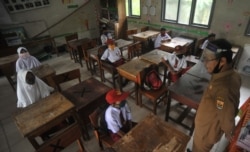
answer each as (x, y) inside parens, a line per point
(176, 63)
(30, 88)
(113, 54)
(118, 114)
(162, 37)
(25, 60)
(105, 36)
(209, 38)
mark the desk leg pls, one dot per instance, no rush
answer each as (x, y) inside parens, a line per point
(168, 107)
(33, 142)
(83, 127)
(120, 82)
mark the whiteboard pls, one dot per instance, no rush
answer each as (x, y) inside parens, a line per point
(243, 66)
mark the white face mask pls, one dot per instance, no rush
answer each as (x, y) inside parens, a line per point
(24, 55)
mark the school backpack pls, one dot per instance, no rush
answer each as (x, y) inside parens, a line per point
(152, 80)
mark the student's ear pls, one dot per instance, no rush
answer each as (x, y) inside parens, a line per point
(223, 61)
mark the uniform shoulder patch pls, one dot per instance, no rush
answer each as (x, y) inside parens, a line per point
(219, 103)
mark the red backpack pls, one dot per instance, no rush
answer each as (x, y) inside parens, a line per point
(152, 81)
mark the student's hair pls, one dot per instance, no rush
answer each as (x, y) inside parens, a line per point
(163, 29)
(226, 46)
(211, 35)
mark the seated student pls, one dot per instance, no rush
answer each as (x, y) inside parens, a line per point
(25, 60)
(105, 36)
(30, 88)
(113, 54)
(176, 63)
(209, 38)
(162, 37)
(118, 114)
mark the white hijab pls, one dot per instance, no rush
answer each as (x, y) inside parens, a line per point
(28, 94)
(25, 61)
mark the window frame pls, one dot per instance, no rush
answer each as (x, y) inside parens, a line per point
(130, 10)
(247, 32)
(192, 12)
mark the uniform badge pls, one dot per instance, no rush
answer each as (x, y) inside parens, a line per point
(220, 103)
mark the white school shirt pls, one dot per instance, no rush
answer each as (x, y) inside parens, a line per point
(204, 45)
(112, 56)
(160, 38)
(28, 94)
(112, 117)
(182, 63)
(104, 38)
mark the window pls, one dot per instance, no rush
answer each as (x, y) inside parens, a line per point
(247, 33)
(188, 12)
(133, 8)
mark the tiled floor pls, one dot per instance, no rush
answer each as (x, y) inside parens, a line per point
(12, 141)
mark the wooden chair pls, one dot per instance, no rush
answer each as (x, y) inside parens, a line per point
(143, 29)
(65, 77)
(102, 137)
(71, 38)
(9, 70)
(86, 46)
(155, 96)
(130, 33)
(134, 50)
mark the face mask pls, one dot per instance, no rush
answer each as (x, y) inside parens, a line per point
(179, 56)
(217, 68)
(122, 103)
(24, 55)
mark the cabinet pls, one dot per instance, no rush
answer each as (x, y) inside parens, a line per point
(113, 16)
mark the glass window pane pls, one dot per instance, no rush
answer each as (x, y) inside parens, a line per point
(135, 7)
(185, 10)
(202, 12)
(171, 8)
(127, 14)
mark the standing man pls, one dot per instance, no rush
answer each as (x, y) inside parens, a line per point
(220, 101)
(162, 37)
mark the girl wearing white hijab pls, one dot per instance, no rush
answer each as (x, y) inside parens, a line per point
(25, 60)
(30, 88)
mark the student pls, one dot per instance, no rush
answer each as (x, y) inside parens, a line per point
(118, 114)
(208, 39)
(30, 88)
(25, 60)
(219, 104)
(162, 37)
(113, 54)
(176, 63)
(105, 36)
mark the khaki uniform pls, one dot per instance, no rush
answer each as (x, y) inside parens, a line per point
(217, 110)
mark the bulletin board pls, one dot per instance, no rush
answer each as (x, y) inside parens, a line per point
(14, 6)
(244, 62)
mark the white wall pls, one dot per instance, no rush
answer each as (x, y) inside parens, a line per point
(37, 20)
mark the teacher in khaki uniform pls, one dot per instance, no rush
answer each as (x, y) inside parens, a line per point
(220, 101)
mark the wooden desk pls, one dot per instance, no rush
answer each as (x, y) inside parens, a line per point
(188, 90)
(93, 97)
(8, 59)
(45, 72)
(41, 116)
(121, 43)
(169, 46)
(131, 71)
(154, 135)
(154, 56)
(144, 36)
(199, 70)
(75, 47)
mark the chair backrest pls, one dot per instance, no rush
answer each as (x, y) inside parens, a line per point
(131, 32)
(144, 28)
(95, 120)
(71, 37)
(134, 50)
(88, 45)
(65, 77)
